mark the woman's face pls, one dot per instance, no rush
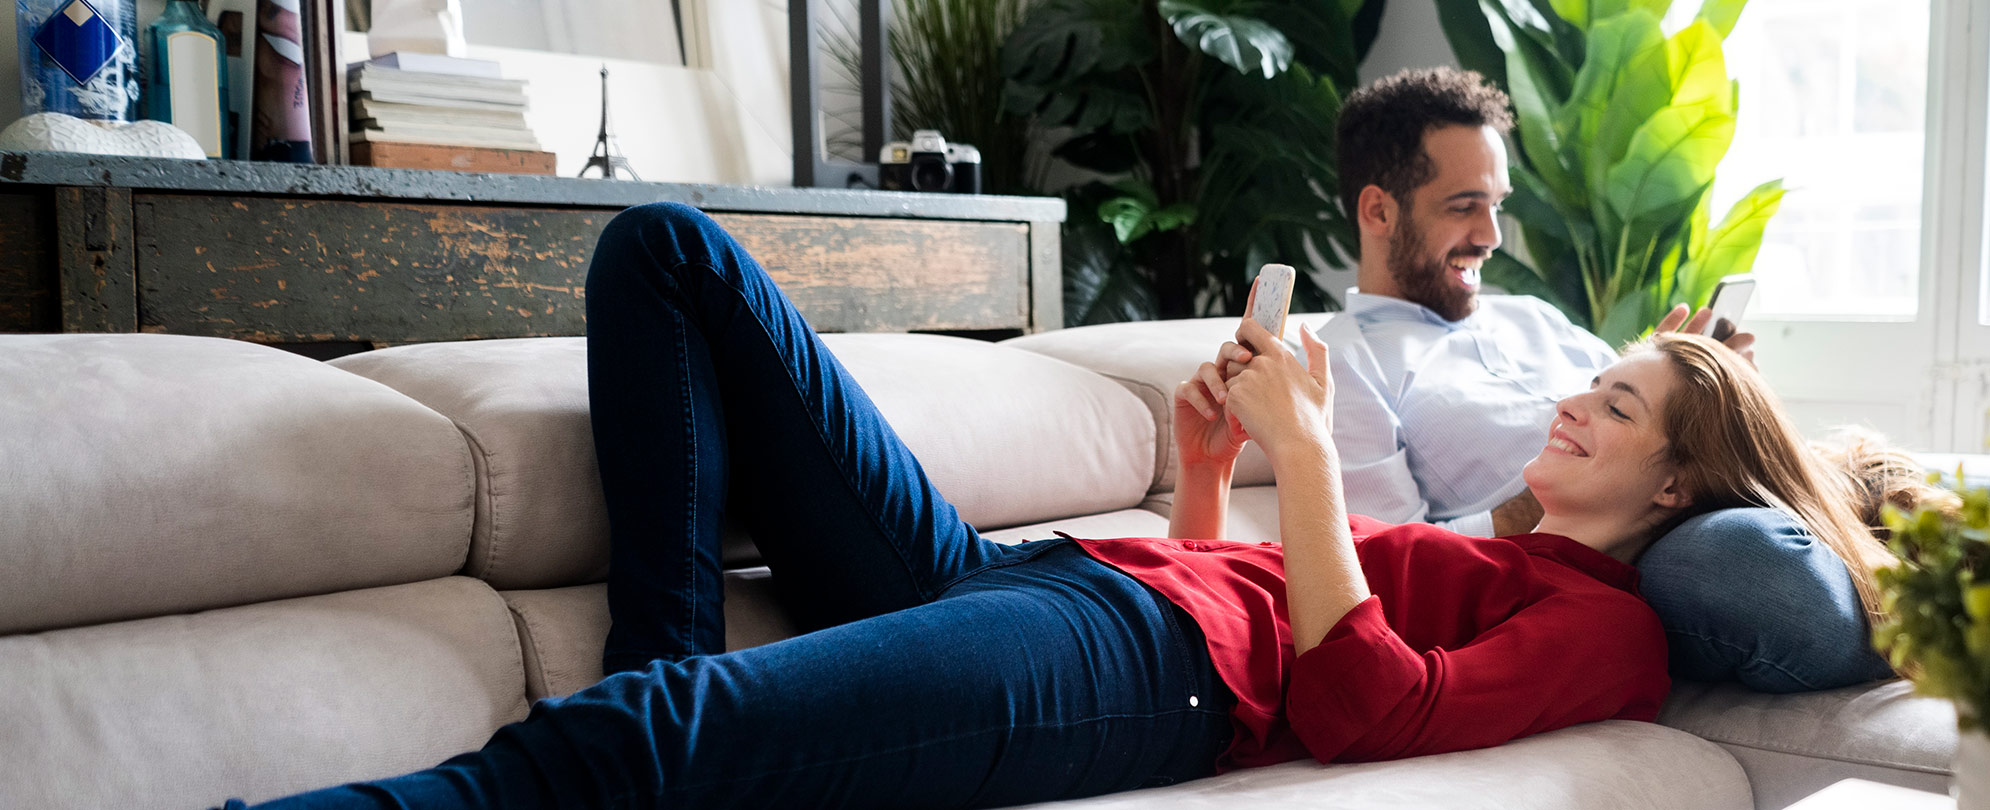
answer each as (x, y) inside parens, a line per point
(1604, 453)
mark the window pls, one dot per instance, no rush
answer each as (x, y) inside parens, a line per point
(1833, 99)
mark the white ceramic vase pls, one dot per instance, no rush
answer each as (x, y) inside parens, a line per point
(1972, 770)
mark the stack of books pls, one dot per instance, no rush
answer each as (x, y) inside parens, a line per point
(427, 111)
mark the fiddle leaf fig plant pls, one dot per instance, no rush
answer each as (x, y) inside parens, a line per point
(1620, 129)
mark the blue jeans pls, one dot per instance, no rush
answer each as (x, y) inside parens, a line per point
(1748, 595)
(951, 671)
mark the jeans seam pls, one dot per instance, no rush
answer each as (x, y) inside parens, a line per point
(821, 431)
(940, 740)
(690, 566)
(1749, 658)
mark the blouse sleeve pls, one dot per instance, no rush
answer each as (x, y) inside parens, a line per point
(1364, 695)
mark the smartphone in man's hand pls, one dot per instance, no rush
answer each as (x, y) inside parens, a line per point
(1729, 301)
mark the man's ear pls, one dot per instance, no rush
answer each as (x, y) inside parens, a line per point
(1375, 211)
(1672, 495)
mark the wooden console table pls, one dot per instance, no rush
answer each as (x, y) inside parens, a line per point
(289, 254)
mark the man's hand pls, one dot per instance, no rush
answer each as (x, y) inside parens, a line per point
(1519, 515)
(1743, 343)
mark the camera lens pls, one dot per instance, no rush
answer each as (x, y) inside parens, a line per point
(931, 174)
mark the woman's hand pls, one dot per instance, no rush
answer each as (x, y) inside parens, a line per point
(1205, 430)
(1288, 408)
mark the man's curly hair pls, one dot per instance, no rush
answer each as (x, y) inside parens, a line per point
(1382, 127)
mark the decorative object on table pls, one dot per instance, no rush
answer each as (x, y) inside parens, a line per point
(467, 115)
(416, 26)
(187, 76)
(1620, 130)
(1213, 126)
(1938, 625)
(606, 156)
(946, 58)
(79, 57)
(929, 163)
(280, 126)
(55, 132)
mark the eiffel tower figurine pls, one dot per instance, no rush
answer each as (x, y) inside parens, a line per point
(605, 153)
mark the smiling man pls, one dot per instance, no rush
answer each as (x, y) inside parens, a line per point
(1442, 395)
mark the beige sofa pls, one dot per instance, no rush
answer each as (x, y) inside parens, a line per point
(228, 570)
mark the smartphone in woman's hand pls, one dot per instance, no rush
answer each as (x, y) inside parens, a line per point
(1271, 298)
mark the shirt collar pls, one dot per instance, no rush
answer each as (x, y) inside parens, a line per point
(1610, 570)
(1372, 309)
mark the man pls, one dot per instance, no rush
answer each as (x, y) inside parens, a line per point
(1442, 395)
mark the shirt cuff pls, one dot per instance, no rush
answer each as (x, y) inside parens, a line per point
(1477, 524)
(1343, 689)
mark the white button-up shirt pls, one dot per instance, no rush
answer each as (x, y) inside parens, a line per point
(1435, 418)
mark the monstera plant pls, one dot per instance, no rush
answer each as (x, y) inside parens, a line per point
(1620, 129)
(1210, 127)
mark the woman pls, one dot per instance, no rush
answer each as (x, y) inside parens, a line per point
(954, 671)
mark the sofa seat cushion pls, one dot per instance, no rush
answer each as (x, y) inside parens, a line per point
(1150, 358)
(1797, 744)
(1618, 764)
(1009, 437)
(562, 630)
(255, 702)
(160, 474)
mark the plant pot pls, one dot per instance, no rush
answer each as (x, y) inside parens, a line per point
(1972, 770)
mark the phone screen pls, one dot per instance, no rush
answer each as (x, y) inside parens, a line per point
(1730, 300)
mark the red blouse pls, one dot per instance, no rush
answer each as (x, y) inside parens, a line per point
(1466, 642)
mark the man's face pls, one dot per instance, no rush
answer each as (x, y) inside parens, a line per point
(1448, 226)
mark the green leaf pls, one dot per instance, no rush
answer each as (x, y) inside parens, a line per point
(1470, 36)
(1130, 217)
(1721, 14)
(1670, 161)
(1515, 276)
(1539, 143)
(1627, 82)
(1060, 40)
(1732, 245)
(1627, 319)
(1697, 70)
(1244, 43)
(1575, 11)
(1179, 215)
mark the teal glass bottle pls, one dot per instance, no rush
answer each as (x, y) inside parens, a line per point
(187, 79)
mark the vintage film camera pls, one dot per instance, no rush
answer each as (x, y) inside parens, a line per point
(929, 163)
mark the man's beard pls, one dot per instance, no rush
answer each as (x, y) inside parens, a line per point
(1425, 281)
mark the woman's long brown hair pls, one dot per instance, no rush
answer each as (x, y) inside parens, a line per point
(1734, 446)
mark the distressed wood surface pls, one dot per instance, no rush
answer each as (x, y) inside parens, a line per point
(303, 270)
(28, 301)
(1046, 277)
(93, 257)
(162, 175)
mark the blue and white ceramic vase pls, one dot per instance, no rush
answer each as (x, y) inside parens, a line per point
(79, 57)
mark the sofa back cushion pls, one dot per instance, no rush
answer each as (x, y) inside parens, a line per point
(155, 474)
(1009, 437)
(1150, 358)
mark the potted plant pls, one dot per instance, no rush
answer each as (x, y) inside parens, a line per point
(1205, 129)
(1619, 131)
(1937, 626)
